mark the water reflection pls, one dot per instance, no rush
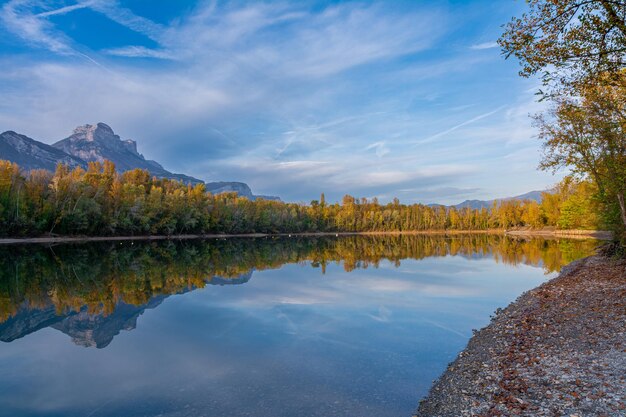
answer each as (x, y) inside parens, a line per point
(93, 291)
(347, 326)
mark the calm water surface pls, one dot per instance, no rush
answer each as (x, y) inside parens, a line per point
(349, 326)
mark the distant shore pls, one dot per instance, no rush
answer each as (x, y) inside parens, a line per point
(584, 234)
(580, 234)
(560, 349)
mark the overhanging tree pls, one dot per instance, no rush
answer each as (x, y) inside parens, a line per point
(588, 134)
(568, 42)
(579, 49)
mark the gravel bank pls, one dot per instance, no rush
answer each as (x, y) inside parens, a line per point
(559, 350)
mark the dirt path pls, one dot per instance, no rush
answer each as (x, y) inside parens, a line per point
(559, 350)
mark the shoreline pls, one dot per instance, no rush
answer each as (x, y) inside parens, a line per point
(559, 349)
(583, 234)
(570, 234)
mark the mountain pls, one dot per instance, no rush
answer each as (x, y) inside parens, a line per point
(98, 330)
(87, 329)
(241, 188)
(531, 195)
(96, 143)
(241, 279)
(478, 204)
(99, 142)
(31, 154)
(28, 320)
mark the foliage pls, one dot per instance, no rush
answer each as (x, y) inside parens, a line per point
(570, 42)
(588, 135)
(100, 201)
(579, 46)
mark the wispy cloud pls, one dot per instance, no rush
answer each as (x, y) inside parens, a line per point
(125, 17)
(21, 19)
(34, 28)
(456, 127)
(379, 147)
(63, 10)
(133, 51)
(291, 97)
(18, 18)
(484, 45)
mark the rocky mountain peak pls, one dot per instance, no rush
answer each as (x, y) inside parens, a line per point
(102, 135)
(94, 132)
(98, 142)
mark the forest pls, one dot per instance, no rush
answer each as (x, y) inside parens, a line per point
(100, 201)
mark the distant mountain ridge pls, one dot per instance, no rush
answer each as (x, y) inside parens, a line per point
(31, 154)
(98, 143)
(478, 204)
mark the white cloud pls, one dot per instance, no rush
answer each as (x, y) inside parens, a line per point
(379, 147)
(290, 99)
(484, 45)
(457, 126)
(17, 17)
(133, 51)
(63, 10)
(125, 17)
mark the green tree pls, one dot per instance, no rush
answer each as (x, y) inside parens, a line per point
(569, 42)
(588, 135)
(579, 48)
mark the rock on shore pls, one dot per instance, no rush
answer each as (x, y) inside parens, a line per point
(559, 350)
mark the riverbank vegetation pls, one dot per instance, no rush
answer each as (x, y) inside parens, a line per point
(102, 202)
(579, 49)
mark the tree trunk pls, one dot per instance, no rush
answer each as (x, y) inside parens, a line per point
(622, 207)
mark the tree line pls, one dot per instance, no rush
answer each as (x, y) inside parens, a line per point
(101, 201)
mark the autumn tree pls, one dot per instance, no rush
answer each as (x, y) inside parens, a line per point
(588, 135)
(579, 49)
(101, 201)
(568, 42)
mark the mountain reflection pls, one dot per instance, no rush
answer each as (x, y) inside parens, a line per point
(93, 291)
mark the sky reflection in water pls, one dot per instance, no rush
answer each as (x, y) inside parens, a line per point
(273, 337)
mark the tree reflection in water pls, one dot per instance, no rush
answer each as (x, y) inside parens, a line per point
(92, 291)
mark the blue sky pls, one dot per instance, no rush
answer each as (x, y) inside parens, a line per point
(406, 98)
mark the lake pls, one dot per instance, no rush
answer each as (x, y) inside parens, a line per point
(300, 326)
